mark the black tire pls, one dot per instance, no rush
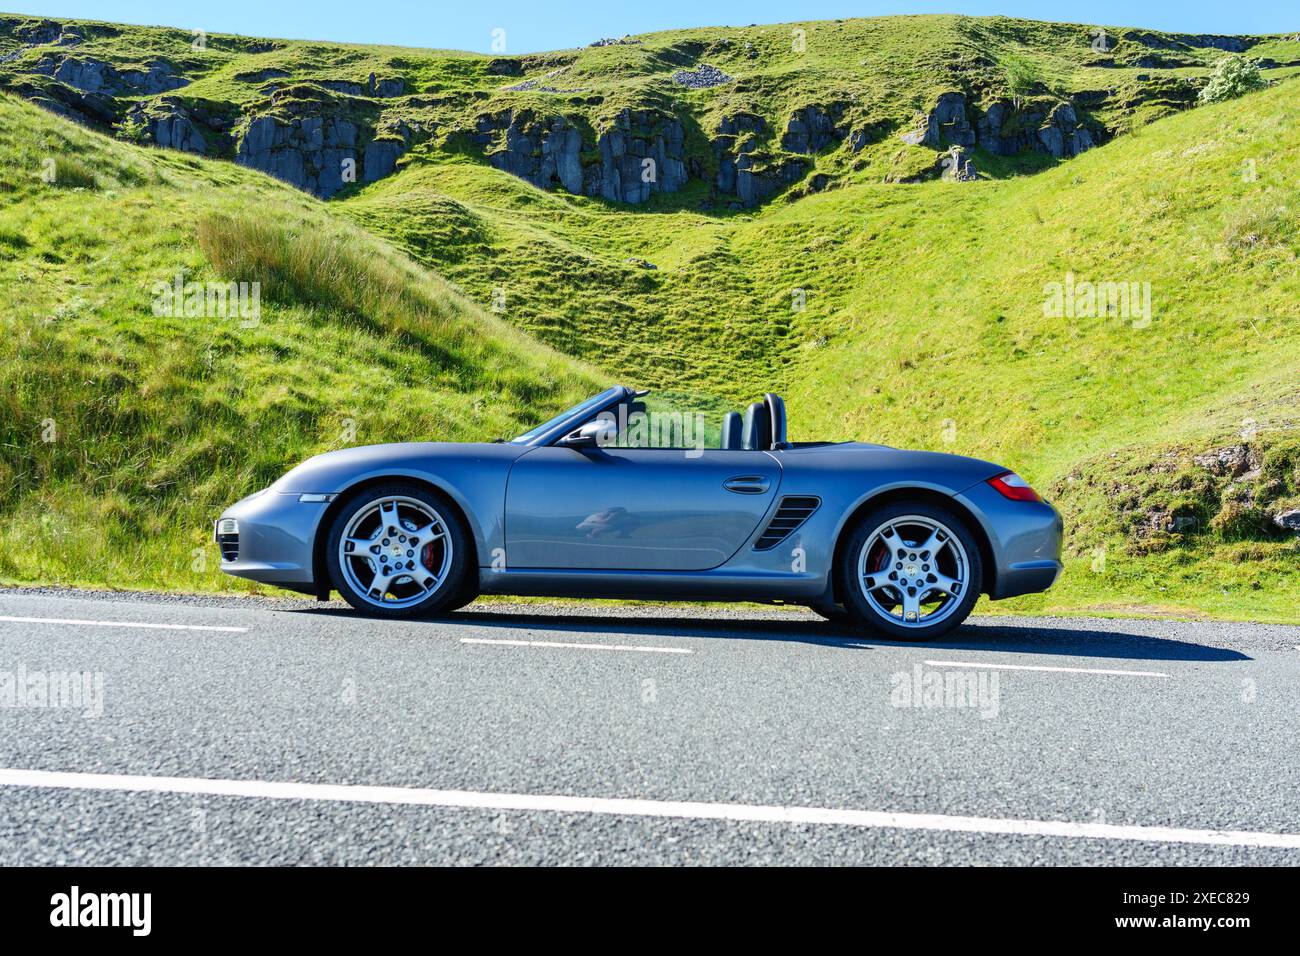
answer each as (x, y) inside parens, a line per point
(455, 590)
(467, 595)
(831, 612)
(872, 613)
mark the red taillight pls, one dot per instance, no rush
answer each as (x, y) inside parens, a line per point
(1010, 485)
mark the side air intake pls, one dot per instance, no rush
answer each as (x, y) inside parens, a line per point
(793, 511)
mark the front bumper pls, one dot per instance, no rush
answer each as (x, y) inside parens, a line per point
(272, 538)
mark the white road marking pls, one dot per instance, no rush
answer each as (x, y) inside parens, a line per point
(582, 647)
(1032, 667)
(736, 812)
(78, 622)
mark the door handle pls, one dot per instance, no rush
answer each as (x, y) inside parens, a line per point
(747, 484)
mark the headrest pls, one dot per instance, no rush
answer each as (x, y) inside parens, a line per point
(756, 430)
(731, 432)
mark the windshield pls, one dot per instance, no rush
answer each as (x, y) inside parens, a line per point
(590, 404)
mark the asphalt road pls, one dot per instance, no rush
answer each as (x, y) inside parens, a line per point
(265, 732)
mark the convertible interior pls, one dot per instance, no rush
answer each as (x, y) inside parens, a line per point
(762, 427)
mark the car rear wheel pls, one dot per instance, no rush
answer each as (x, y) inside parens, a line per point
(910, 571)
(399, 551)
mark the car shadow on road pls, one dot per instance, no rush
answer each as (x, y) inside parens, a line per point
(974, 635)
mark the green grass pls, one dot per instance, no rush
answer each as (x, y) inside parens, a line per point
(124, 432)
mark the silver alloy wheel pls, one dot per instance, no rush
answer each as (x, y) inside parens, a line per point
(395, 552)
(913, 571)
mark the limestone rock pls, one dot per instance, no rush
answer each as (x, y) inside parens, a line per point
(309, 152)
(815, 127)
(639, 154)
(701, 78)
(1232, 460)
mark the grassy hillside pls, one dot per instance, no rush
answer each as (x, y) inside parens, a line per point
(924, 326)
(124, 433)
(913, 313)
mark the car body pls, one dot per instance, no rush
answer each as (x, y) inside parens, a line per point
(564, 510)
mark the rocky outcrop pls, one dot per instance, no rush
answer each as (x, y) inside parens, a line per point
(93, 109)
(743, 169)
(380, 158)
(545, 151)
(158, 77)
(373, 87)
(1061, 134)
(1180, 41)
(1003, 129)
(948, 123)
(541, 86)
(387, 87)
(97, 76)
(820, 126)
(756, 182)
(33, 32)
(1232, 460)
(640, 142)
(738, 134)
(638, 155)
(310, 152)
(178, 132)
(346, 87)
(815, 127)
(172, 128)
(261, 76)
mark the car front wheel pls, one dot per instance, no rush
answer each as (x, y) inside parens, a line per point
(911, 572)
(399, 551)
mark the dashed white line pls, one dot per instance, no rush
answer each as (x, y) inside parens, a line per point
(1034, 667)
(582, 647)
(78, 622)
(547, 803)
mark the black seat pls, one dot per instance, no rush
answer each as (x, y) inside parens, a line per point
(756, 430)
(731, 432)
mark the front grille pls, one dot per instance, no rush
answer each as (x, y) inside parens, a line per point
(227, 534)
(229, 545)
(793, 511)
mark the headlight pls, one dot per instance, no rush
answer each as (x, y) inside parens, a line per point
(227, 526)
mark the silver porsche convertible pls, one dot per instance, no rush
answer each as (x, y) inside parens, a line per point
(901, 542)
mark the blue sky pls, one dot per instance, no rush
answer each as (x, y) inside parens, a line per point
(531, 25)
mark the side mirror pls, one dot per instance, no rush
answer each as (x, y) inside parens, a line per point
(599, 432)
